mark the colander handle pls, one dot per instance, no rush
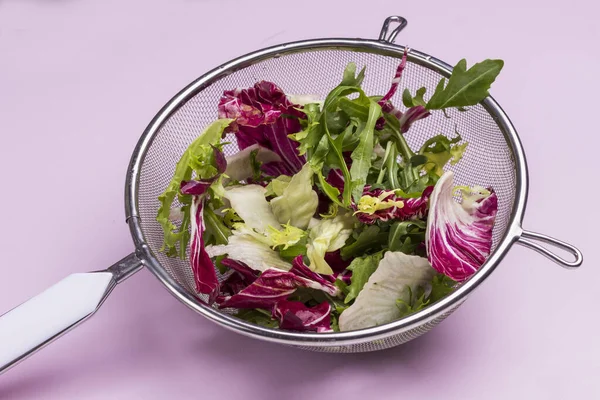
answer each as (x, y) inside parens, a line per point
(390, 37)
(529, 239)
(49, 315)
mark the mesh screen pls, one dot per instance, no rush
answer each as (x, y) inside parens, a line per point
(487, 161)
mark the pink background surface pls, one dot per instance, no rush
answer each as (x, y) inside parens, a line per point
(79, 81)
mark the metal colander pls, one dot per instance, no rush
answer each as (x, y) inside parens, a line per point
(494, 158)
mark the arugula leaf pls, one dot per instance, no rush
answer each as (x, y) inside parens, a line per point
(334, 317)
(441, 286)
(215, 230)
(337, 151)
(255, 164)
(317, 159)
(340, 284)
(405, 236)
(417, 301)
(350, 78)
(293, 251)
(183, 172)
(354, 108)
(362, 269)
(332, 192)
(466, 87)
(418, 100)
(361, 156)
(257, 317)
(370, 238)
(222, 268)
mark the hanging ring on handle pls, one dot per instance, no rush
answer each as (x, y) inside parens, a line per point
(529, 239)
(390, 37)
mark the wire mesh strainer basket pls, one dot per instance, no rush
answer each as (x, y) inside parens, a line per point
(495, 158)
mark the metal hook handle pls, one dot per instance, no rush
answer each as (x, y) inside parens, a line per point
(391, 37)
(528, 239)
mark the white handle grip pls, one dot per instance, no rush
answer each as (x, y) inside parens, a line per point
(38, 321)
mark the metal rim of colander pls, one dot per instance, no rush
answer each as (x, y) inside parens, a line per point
(334, 339)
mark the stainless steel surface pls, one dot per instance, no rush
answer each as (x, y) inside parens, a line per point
(125, 267)
(528, 239)
(384, 36)
(495, 158)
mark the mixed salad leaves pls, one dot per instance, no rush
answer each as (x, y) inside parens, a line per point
(326, 219)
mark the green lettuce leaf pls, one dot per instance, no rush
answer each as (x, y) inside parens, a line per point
(466, 87)
(250, 249)
(361, 268)
(200, 155)
(298, 202)
(441, 149)
(325, 236)
(250, 204)
(278, 185)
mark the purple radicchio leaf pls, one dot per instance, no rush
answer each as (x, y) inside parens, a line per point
(395, 82)
(412, 115)
(302, 270)
(459, 236)
(241, 268)
(202, 266)
(336, 179)
(406, 118)
(220, 160)
(344, 276)
(385, 102)
(241, 277)
(413, 208)
(295, 316)
(336, 262)
(272, 286)
(263, 115)
(195, 188)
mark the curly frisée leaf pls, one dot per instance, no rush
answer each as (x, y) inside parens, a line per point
(173, 235)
